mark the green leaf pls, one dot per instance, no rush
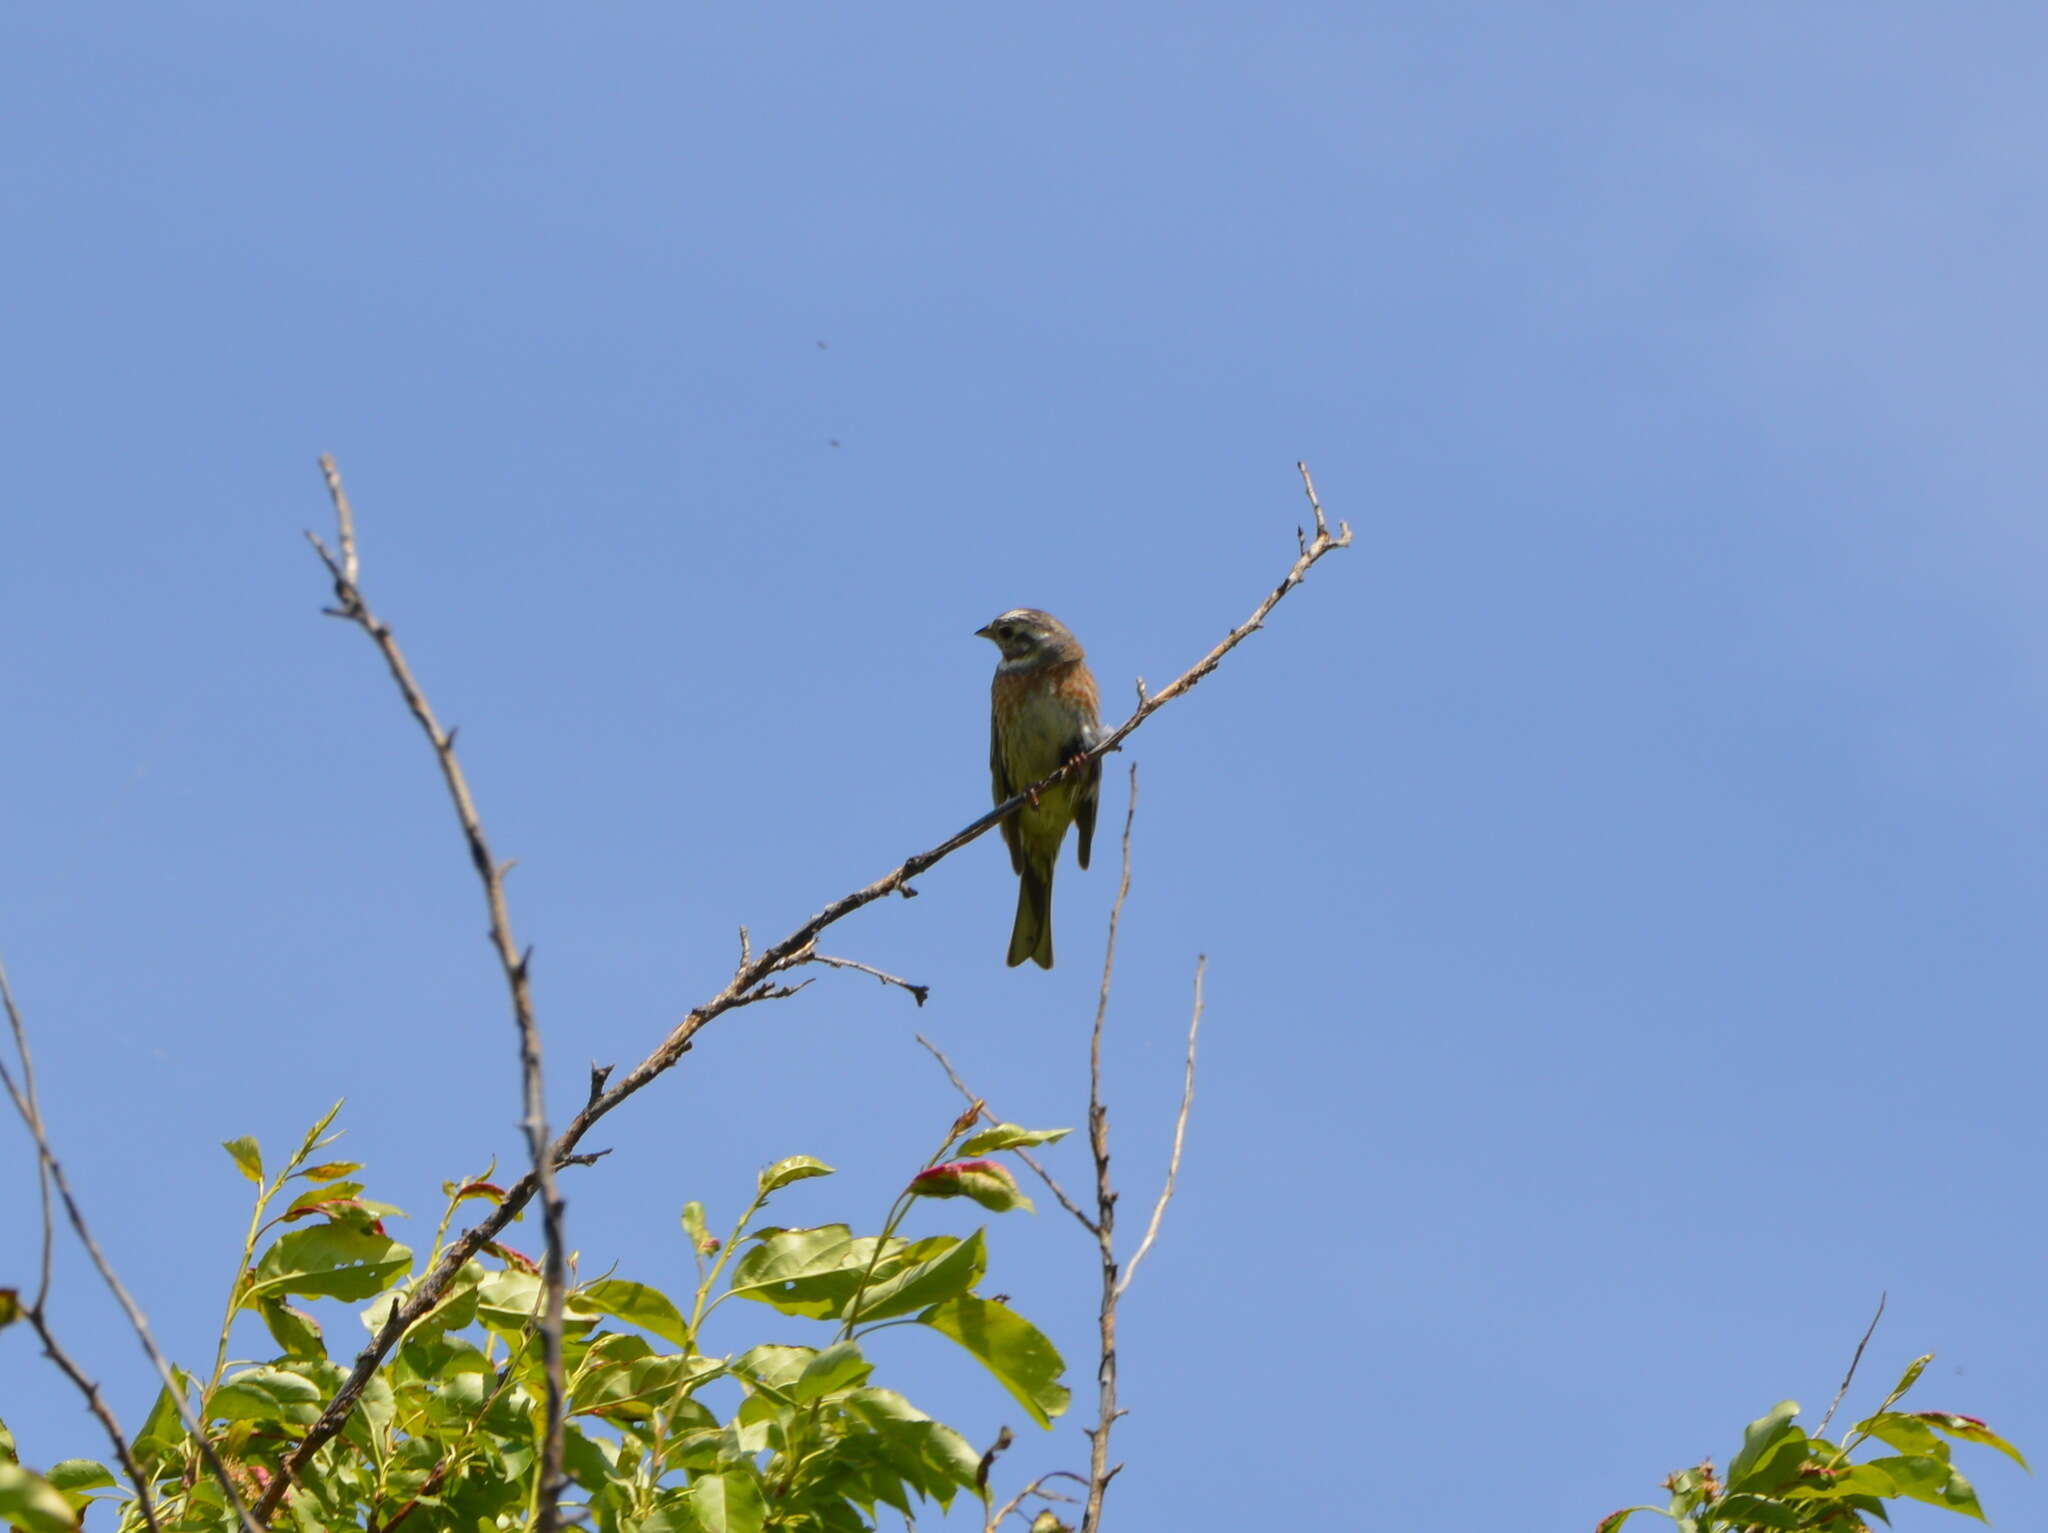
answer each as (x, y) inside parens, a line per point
(795, 1168)
(803, 1272)
(838, 1367)
(587, 1459)
(332, 1171)
(770, 1414)
(1959, 1495)
(313, 1197)
(1688, 1489)
(1743, 1510)
(1907, 1380)
(265, 1394)
(329, 1261)
(729, 1501)
(313, 1141)
(31, 1503)
(1842, 1484)
(163, 1429)
(76, 1478)
(455, 1308)
(80, 1474)
(634, 1390)
(1933, 1481)
(1908, 1433)
(295, 1332)
(932, 1458)
(1008, 1136)
(637, 1304)
(1970, 1430)
(248, 1155)
(1782, 1466)
(951, 1273)
(508, 1301)
(773, 1368)
(1761, 1434)
(1010, 1347)
(671, 1516)
(1613, 1520)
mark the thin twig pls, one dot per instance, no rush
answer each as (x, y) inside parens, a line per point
(30, 1105)
(918, 993)
(1323, 543)
(68, 1366)
(515, 964)
(1035, 1488)
(1847, 1378)
(1024, 1155)
(30, 1110)
(748, 985)
(1099, 1471)
(1180, 1135)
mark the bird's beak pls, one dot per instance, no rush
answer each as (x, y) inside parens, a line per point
(983, 633)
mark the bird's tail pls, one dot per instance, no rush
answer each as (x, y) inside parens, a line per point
(1031, 937)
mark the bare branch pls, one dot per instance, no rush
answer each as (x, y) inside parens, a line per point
(36, 1312)
(1036, 1488)
(30, 1106)
(515, 963)
(68, 1366)
(1180, 1135)
(1849, 1377)
(1024, 1155)
(30, 1111)
(743, 989)
(345, 523)
(1099, 1471)
(918, 993)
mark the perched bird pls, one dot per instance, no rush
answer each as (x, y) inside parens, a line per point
(1041, 716)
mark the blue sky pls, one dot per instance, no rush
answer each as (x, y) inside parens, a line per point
(1620, 872)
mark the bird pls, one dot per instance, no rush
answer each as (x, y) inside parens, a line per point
(1042, 715)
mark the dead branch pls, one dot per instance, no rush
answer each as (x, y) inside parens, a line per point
(516, 964)
(1099, 1471)
(1850, 1377)
(1036, 1488)
(918, 993)
(29, 1107)
(1180, 1137)
(1102, 1226)
(747, 985)
(68, 1366)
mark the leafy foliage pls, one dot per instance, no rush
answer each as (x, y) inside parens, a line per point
(447, 1432)
(1782, 1478)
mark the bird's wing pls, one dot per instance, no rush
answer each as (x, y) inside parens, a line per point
(1087, 794)
(1005, 790)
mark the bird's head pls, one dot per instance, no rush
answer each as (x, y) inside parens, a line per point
(1027, 636)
